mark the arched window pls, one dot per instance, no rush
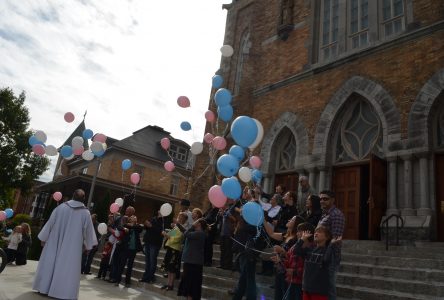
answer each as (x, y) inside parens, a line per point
(286, 151)
(440, 123)
(245, 45)
(359, 133)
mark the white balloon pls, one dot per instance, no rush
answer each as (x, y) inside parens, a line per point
(41, 136)
(260, 135)
(97, 147)
(166, 209)
(119, 202)
(105, 146)
(226, 50)
(50, 150)
(77, 141)
(196, 148)
(88, 155)
(102, 228)
(245, 174)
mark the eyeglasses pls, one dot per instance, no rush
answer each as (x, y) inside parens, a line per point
(325, 198)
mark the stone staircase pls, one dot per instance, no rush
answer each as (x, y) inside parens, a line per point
(367, 272)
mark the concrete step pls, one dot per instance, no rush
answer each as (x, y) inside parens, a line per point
(432, 289)
(427, 275)
(362, 293)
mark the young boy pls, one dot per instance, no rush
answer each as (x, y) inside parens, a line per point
(315, 282)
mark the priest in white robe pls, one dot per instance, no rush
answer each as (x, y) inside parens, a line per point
(67, 231)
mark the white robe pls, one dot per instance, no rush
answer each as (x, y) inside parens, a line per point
(58, 271)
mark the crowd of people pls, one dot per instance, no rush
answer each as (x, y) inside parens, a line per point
(300, 245)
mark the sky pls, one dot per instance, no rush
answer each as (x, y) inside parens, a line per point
(125, 62)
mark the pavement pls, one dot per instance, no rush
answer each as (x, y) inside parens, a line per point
(16, 284)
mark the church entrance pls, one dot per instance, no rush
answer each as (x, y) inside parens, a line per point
(439, 179)
(361, 195)
(289, 181)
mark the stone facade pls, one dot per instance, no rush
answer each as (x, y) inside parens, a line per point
(286, 83)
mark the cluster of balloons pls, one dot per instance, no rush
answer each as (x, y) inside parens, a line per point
(6, 214)
(97, 148)
(115, 207)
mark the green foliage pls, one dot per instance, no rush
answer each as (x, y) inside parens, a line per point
(101, 208)
(20, 166)
(21, 218)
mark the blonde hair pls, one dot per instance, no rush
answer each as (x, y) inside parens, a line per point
(26, 228)
(198, 212)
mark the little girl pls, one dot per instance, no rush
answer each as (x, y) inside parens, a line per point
(23, 246)
(104, 262)
(14, 239)
(315, 282)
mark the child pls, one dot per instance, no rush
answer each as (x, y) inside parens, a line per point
(104, 262)
(294, 267)
(193, 259)
(14, 239)
(23, 246)
(315, 282)
(173, 245)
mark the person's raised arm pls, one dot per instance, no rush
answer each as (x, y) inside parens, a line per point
(274, 235)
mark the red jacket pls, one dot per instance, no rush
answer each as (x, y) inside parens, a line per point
(295, 262)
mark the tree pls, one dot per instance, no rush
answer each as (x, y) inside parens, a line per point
(19, 166)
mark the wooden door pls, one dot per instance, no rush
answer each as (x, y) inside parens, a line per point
(289, 181)
(346, 185)
(377, 200)
(439, 180)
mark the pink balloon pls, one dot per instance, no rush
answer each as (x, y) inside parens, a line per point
(78, 151)
(216, 196)
(219, 143)
(169, 166)
(209, 115)
(135, 178)
(2, 215)
(255, 162)
(57, 196)
(100, 137)
(114, 208)
(183, 101)
(38, 149)
(208, 138)
(69, 117)
(165, 143)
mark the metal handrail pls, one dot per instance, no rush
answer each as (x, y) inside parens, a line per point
(386, 222)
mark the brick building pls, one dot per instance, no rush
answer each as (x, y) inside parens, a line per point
(350, 94)
(156, 186)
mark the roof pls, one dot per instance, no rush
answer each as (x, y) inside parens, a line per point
(146, 141)
(77, 132)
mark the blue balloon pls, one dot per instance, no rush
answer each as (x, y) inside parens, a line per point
(225, 113)
(244, 131)
(256, 175)
(87, 134)
(231, 188)
(217, 81)
(9, 213)
(33, 140)
(126, 164)
(253, 213)
(227, 165)
(237, 151)
(99, 153)
(185, 126)
(222, 97)
(66, 151)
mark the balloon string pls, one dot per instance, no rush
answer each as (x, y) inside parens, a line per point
(246, 247)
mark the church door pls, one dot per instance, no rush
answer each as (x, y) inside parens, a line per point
(377, 200)
(439, 179)
(289, 181)
(346, 185)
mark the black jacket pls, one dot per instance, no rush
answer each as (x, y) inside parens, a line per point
(153, 235)
(312, 218)
(287, 212)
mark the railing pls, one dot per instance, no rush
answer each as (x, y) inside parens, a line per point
(386, 223)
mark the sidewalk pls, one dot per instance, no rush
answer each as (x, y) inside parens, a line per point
(16, 284)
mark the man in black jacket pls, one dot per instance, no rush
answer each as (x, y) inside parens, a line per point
(152, 240)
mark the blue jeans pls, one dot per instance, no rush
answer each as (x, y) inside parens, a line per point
(246, 284)
(151, 253)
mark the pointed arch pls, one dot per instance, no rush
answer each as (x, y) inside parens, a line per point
(419, 116)
(382, 103)
(296, 126)
(244, 49)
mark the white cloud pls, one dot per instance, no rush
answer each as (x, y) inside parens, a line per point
(126, 62)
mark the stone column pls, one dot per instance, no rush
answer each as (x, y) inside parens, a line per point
(407, 209)
(392, 205)
(266, 185)
(312, 177)
(322, 177)
(424, 207)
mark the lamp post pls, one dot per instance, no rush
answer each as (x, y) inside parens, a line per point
(93, 183)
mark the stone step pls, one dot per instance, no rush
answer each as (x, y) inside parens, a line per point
(363, 293)
(432, 289)
(426, 275)
(392, 261)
